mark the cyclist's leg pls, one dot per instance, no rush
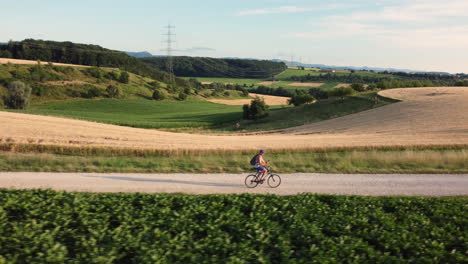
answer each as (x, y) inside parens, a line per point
(264, 171)
(258, 175)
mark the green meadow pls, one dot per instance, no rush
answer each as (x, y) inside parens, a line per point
(142, 113)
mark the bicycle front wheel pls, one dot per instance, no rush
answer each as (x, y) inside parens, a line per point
(251, 181)
(274, 180)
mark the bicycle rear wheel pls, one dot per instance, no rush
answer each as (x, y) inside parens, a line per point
(251, 181)
(274, 180)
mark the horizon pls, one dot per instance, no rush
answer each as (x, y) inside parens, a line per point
(421, 35)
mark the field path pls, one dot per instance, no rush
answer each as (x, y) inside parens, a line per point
(352, 184)
(269, 100)
(33, 62)
(426, 116)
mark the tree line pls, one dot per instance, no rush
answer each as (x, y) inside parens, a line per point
(211, 67)
(396, 80)
(82, 54)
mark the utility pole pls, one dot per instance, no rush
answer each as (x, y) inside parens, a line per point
(170, 40)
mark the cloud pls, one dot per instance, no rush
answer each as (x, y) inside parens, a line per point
(415, 24)
(416, 11)
(288, 9)
(276, 10)
(196, 49)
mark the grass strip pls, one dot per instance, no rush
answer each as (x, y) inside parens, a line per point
(385, 160)
(59, 227)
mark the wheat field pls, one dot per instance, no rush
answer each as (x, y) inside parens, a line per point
(425, 117)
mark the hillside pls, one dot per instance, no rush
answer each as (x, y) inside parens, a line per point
(211, 67)
(51, 82)
(82, 54)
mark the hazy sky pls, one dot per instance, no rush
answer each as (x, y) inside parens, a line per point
(422, 35)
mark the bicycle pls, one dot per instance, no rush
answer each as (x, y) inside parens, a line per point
(273, 180)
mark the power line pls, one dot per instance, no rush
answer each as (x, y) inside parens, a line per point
(170, 39)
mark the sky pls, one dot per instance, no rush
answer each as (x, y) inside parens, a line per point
(425, 35)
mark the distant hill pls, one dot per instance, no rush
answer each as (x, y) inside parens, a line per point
(140, 54)
(211, 67)
(356, 68)
(83, 54)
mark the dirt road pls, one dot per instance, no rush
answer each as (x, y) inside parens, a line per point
(352, 184)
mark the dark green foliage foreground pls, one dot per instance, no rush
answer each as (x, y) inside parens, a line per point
(60, 227)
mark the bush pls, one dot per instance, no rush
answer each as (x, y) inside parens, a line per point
(124, 77)
(113, 91)
(158, 95)
(358, 87)
(258, 109)
(39, 89)
(300, 99)
(92, 92)
(182, 96)
(18, 95)
(95, 72)
(372, 86)
(62, 69)
(245, 93)
(318, 93)
(461, 83)
(341, 92)
(155, 84)
(114, 76)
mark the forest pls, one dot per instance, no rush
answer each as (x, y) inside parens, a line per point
(212, 67)
(82, 54)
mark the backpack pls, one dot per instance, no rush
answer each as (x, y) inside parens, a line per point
(253, 161)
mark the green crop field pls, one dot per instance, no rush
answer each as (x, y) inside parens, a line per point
(59, 227)
(321, 110)
(297, 72)
(143, 113)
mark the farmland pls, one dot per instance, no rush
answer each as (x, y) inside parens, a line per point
(59, 227)
(312, 113)
(144, 113)
(285, 81)
(422, 118)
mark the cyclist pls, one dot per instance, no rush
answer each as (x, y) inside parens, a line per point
(259, 165)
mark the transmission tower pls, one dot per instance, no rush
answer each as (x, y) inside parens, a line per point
(169, 41)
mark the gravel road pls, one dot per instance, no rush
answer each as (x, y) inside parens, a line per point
(355, 184)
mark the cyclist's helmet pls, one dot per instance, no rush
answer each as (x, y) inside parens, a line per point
(262, 151)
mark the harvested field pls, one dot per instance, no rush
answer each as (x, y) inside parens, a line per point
(269, 100)
(342, 85)
(427, 116)
(300, 84)
(226, 83)
(436, 110)
(15, 61)
(267, 83)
